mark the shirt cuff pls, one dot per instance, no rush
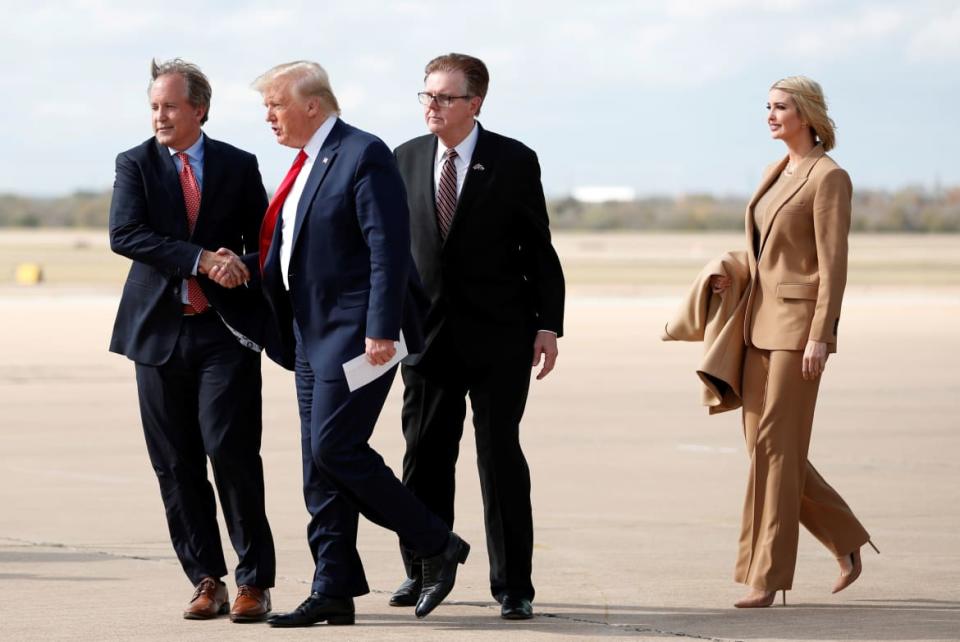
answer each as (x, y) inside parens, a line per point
(550, 331)
(196, 264)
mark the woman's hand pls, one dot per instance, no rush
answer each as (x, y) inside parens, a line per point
(814, 359)
(719, 283)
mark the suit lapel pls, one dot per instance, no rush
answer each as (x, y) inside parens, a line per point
(167, 175)
(321, 164)
(424, 198)
(212, 180)
(787, 191)
(477, 180)
(765, 184)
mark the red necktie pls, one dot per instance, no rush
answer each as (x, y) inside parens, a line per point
(276, 204)
(447, 193)
(191, 198)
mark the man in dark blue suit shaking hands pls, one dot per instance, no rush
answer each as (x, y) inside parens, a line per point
(187, 210)
(339, 278)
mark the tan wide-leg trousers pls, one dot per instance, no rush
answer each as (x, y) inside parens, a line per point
(784, 490)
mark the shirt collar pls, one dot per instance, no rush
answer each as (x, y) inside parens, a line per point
(464, 149)
(194, 152)
(312, 148)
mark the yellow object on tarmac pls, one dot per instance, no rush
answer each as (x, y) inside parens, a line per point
(29, 274)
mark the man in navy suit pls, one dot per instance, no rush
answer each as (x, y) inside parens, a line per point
(187, 210)
(340, 281)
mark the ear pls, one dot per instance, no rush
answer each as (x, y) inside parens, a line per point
(475, 103)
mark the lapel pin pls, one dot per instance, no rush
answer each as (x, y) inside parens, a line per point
(325, 159)
(478, 167)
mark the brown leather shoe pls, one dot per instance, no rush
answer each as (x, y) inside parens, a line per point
(252, 604)
(209, 600)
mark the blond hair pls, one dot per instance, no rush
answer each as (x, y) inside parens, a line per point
(812, 107)
(309, 80)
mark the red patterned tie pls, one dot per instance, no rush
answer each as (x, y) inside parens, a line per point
(191, 198)
(447, 193)
(276, 204)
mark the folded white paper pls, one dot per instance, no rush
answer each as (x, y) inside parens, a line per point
(360, 372)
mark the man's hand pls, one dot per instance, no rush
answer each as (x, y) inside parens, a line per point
(380, 351)
(814, 359)
(545, 344)
(224, 268)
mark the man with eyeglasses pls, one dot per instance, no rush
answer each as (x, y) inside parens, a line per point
(481, 242)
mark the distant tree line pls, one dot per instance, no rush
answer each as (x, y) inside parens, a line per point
(80, 209)
(906, 210)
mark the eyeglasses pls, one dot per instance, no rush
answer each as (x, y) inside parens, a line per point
(443, 100)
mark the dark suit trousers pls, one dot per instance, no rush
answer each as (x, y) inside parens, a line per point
(205, 402)
(343, 477)
(434, 409)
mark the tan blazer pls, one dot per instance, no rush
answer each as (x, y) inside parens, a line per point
(798, 280)
(717, 320)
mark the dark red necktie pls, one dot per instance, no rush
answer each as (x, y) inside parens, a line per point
(191, 198)
(447, 193)
(276, 204)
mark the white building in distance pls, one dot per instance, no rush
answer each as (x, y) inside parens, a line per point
(604, 194)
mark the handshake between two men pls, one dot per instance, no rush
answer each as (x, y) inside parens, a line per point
(223, 267)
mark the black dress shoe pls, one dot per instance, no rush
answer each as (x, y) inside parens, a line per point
(408, 593)
(515, 608)
(317, 608)
(440, 574)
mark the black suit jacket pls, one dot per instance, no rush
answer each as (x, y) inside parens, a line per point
(496, 278)
(148, 224)
(351, 275)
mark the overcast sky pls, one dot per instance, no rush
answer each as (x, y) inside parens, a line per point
(662, 96)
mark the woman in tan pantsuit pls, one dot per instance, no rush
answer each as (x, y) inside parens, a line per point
(796, 225)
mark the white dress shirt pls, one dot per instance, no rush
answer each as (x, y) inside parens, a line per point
(461, 162)
(288, 215)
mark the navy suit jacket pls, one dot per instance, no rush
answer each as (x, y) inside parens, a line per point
(351, 273)
(148, 223)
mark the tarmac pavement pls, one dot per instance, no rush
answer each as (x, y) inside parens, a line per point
(636, 491)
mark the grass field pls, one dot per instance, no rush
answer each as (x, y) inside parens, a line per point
(614, 262)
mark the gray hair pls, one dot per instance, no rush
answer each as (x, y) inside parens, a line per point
(198, 87)
(309, 80)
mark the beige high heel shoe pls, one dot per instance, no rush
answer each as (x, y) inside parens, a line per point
(856, 567)
(760, 601)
